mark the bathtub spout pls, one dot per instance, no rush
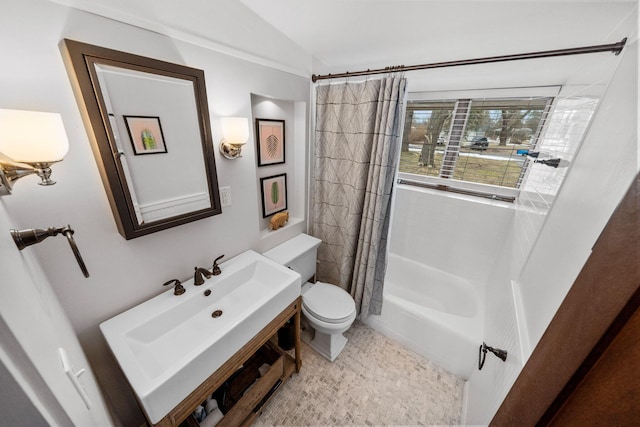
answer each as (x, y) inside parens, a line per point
(482, 354)
(502, 354)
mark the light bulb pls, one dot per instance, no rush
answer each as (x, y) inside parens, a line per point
(235, 130)
(32, 137)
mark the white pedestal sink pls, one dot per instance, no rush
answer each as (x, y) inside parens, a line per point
(170, 344)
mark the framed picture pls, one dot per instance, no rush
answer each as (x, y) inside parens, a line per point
(146, 135)
(274, 194)
(270, 141)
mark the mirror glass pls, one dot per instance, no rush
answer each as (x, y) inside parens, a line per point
(149, 123)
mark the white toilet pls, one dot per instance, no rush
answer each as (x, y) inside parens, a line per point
(328, 309)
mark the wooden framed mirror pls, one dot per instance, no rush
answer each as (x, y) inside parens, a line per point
(148, 122)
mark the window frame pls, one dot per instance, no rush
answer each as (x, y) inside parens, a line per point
(490, 191)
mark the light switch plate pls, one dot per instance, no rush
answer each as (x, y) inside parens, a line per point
(225, 196)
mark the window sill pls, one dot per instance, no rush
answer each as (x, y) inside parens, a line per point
(490, 192)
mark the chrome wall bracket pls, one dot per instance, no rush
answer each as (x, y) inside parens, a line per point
(11, 171)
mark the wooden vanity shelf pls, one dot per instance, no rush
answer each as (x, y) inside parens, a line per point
(248, 391)
(244, 401)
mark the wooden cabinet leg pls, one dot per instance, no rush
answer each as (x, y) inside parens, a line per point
(296, 320)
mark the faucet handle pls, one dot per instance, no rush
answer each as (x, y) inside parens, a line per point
(179, 289)
(216, 268)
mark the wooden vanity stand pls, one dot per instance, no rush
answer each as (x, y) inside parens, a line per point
(242, 413)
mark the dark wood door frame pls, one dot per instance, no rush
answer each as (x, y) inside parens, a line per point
(602, 299)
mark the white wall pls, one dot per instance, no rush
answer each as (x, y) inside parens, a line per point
(125, 273)
(601, 173)
(16, 406)
(225, 26)
(545, 245)
(556, 225)
(486, 389)
(457, 234)
(33, 327)
(278, 109)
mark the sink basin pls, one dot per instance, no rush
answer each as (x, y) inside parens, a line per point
(168, 345)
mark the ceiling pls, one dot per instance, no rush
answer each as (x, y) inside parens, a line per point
(349, 35)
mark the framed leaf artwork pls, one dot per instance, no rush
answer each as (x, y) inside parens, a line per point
(274, 194)
(270, 141)
(146, 134)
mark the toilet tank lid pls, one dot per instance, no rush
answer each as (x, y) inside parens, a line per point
(287, 251)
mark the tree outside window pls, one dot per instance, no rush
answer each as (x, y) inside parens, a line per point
(489, 151)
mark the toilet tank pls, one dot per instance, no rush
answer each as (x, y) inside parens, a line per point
(298, 253)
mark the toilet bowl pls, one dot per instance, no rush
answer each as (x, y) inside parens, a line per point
(328, 310)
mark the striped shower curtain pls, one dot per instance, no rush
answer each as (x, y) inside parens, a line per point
(358, 136)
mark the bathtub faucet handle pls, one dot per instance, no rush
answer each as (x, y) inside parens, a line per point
(482, 354)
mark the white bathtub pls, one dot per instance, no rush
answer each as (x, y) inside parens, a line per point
(434, 313)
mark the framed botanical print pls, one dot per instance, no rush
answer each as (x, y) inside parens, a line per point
(270, 141)
(274, 194)
(145, 133)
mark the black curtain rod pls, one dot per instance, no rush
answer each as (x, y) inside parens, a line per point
(616, 48)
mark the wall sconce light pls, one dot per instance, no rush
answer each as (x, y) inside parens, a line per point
(235, 132)
(30, 142)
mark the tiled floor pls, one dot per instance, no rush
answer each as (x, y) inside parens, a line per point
(374, 381)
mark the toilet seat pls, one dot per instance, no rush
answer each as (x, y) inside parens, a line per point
(328, 303)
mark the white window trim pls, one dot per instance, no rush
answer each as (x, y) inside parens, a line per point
(452, 95)
(483, 190)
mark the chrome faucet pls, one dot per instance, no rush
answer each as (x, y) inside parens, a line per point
(215, 270)
(198, 278)
(179, 289)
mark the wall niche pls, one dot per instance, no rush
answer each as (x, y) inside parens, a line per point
(294, 114)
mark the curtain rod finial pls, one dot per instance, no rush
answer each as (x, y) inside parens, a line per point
(620, 46)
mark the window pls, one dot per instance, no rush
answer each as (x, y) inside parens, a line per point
(471, 140)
